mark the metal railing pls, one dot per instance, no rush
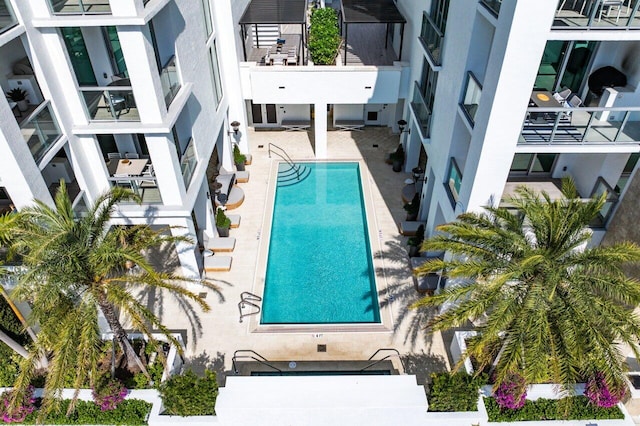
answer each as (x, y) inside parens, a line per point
(431, 38)
(170, 81)
(145, 187)
(110, 103)
(376, 362)
(247, 298)
(596, 14)
(40, 130)
(253, 355)
(421, 111)
(582, 125)
(283, 154)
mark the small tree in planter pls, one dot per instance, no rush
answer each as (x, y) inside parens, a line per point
(223, 223)
(19, 96)
(324, 36)
(239, 158)
(412, 208)
(415, 242)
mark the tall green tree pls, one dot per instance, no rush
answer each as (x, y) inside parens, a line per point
(546, 305)
(76, 268)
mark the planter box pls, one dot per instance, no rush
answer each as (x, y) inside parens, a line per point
(459, 346)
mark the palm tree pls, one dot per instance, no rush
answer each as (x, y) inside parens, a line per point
(548, 307)
(76, 268)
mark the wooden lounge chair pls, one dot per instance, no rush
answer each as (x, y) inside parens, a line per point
(216, 263)
(221, 244)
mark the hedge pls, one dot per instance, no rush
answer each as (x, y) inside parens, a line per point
(454, 392)
(324, 36)
(570, 408)
(128, 412)
(190, 395)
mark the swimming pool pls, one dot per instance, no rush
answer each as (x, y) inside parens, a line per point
(319, 267)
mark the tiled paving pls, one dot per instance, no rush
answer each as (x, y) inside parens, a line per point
(221, 333)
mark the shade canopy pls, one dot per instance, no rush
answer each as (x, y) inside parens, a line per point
(371, 12)
(274, 12)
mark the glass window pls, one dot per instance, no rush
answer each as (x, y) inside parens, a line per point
(439, 11)
(454, 180)
(215, 69)
(543, 163)
(188, 163)
(79, 56)
(428, 83)
(206, 10)
(521, 163)
(472, 97)
(533, 163)
(115, 50)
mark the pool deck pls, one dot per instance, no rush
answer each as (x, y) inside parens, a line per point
(220, 332)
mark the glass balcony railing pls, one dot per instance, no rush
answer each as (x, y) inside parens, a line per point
(472, 95)
(492, 5)
(597, 14)
(110, 103)
(188, 163)
(587, 125)
(40, 130)
(431, 38)
(80, 7)
(145, 187)
(7, 17)
(421, 111)
(170, 81)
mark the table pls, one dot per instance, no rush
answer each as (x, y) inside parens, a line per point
(544, 99)
(126, 167)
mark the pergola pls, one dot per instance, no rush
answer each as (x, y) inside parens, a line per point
(274, 12)
(371, 12)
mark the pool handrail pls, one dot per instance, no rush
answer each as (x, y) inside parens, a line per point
(396, 353)
(258, 358)
(285, 157)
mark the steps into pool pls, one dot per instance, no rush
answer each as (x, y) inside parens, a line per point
(291, 174)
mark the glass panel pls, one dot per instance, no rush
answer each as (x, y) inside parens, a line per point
(188, 163)
(428, 83)
(597, 14)
(145, 187)
(493, 5)
(631, 163)
(111, 104)
(40, 131)
(431, 38)
(79, 56)
(7, 17)
(421, 111)
(521, 163)
(577, 63)
(170, 82)
(272, 117)
(543, 163)
(472, 97)
(117, 57)
(206, 10)
(454, 181)
(438, 12)
(256, 113)
(215, 69)
(550, 65)
(80, 6)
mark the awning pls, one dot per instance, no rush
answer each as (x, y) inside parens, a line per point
(275, 12)
(371, 12)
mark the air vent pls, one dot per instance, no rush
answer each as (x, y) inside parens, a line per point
(202, 295)
(322, 348)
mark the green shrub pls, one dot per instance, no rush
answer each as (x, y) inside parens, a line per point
(324, 36)
(190, 395)
(128, 412)
(10, 324)
(238, 157)
(454, 392)
(570, 408)
(9, 365)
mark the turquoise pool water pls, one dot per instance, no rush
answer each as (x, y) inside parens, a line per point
(319, 269)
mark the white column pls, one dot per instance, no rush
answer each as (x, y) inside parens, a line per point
(166, 167)
(320, 129)
(204, 210)
(187, 251)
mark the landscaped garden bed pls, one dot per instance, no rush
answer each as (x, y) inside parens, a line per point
(570, 408)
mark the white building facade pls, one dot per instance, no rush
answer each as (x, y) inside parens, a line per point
(158, 82)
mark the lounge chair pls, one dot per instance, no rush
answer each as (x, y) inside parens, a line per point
(229, 195)
(221, 244)
(216, 263)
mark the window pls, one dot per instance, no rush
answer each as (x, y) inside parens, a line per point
(539, 164)
(188, 163)
(79, 56)
(471, 98)
(454, 181)
(431, 38)
(206, 10)
(215, 70)
(115, 51)
(428, 83)
(439, 11)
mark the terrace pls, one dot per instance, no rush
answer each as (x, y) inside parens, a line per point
(596, 14)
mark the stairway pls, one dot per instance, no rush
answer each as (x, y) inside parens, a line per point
(292, 173)
(265, 35)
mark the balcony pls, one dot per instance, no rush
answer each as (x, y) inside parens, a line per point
(596, 14)
(80, 7)
(188, 162)
(431, 38)
(7, 17)
(40, 130)
(145, 187)
(492, 5)
(170, 81)
(583, 126)
(472, 95)
(110, 103)
(421, 111)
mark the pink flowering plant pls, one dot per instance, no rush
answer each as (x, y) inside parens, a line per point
(22, 410)
(108, 393)
(511, 393)
(601, 394)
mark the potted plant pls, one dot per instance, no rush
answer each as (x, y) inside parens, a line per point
(397, 158)
(413, 207)
(415, 242)
(19, 96)
(239, 158)
(223, 223)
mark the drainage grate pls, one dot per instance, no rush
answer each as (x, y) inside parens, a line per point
(202, 295)
(322, 348)
(260, 146)
(375, 145)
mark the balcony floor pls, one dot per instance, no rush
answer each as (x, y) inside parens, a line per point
(90, 6)
(574, 19)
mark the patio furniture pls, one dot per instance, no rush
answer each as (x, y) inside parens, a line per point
(432, 281)
(610, 5)
(562, 95)
(296, 125)
(131, 155)
(216, 263)
(221, 244)
(349, 124)
(127, 167)
(114, 156)
(118, 103)
(229, 195)
(235, 220)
